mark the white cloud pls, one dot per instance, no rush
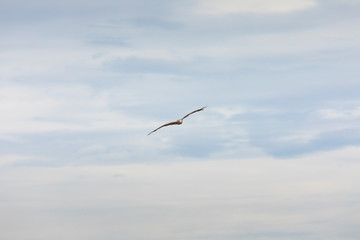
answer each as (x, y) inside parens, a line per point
(331, 113)
(345, 114)
(72, 108)
(13, 158)
(43, 56)
(93, 149)
(228, 112)
(223, 7)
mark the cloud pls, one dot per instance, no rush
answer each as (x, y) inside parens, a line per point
(14, 159)
(228, 112)
(218, 8)
(267, 197)
(326, 140)
(330, 114)
(93, 149)
(344, 114)
(54, 108)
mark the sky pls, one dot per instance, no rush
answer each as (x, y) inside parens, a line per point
(274, 156)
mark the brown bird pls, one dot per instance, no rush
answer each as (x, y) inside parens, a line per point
(178, 122)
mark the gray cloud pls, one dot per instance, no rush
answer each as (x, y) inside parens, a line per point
(198, 200)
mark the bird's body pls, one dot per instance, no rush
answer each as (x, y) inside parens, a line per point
(177, 122)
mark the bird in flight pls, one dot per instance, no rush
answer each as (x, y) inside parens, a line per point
(177, 122)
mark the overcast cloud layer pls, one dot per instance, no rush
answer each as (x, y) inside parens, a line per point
(274, 156)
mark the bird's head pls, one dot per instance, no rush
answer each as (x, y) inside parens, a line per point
(179, 121)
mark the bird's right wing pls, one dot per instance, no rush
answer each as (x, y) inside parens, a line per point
(166, 124)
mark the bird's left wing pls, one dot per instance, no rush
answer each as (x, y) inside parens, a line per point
(198, 110)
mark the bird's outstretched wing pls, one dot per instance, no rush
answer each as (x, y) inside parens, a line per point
(166, 124)
(198, 110)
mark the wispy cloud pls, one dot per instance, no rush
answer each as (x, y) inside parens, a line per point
(217, 7)
(340, 113)
(15, 159)
(55, 108)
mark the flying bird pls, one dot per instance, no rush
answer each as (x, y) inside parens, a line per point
(177, 122)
